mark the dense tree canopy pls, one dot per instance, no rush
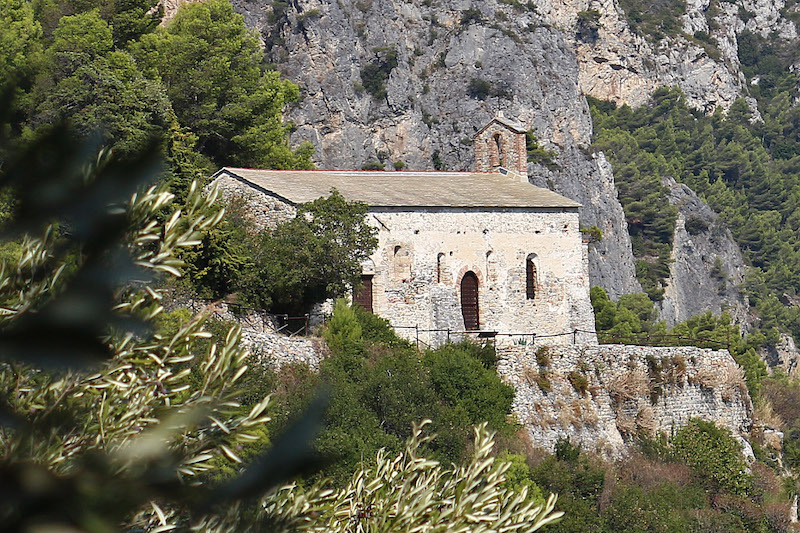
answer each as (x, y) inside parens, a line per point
(199, 84)
(212, 70)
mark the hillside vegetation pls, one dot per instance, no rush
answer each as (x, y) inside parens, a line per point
(744, 169)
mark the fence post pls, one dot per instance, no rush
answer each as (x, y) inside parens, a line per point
(448, 335)
(416, 331)
(575, 336)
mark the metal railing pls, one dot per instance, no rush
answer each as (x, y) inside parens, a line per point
(299, 325)
(642, 339)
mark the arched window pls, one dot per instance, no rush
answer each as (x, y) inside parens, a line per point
(439, 267)
(469, 301)
(530, 277)
(501, 155)
(494, 153)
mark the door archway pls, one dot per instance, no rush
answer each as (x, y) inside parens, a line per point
(469, 301)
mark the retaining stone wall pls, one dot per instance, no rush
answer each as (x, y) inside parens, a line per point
(625, 391)
(260, 336)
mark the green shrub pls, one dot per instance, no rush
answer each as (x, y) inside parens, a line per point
(543, 381)
(592, 234)
(471, 15)
(578, 381)
(588, 24)
(375, 73)
(518, 476)
(543, 355)
(373, 165)
(654, 20)
(379, 385)
(696, 225)
(479, 89)
(315, 256)
(537, 154)
(376, 329)
(436, 159)
(713, 455)
(343, 330)
(460, 376)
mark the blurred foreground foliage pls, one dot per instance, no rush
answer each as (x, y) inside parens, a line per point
(106, 424)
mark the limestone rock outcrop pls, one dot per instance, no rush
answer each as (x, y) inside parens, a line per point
(707, 271)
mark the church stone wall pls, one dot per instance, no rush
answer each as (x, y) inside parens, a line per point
(265, 210)
(424, 253)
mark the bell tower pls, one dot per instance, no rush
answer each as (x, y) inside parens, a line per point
(500, 147)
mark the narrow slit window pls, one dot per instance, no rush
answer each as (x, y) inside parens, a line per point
(530, 278)
(439, 266)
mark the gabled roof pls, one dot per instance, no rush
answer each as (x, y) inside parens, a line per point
(508, 123)
(402, 189)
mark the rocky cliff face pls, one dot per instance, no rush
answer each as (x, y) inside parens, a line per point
(388, 82)
(707, 270)
(456, 66)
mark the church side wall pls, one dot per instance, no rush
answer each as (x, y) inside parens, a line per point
(265, 210)
(424, 253)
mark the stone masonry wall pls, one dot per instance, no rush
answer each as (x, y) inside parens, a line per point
(424, 253)
(603, 396)
(260, 335)
(265, 210)
(514, 155)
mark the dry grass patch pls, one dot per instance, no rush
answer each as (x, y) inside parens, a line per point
(628, 386)
(706, 377)
(585, 412)
(646, 422)
(626, 425)
(648, 474)
(728, 379)
(765, 415)
(734, 385)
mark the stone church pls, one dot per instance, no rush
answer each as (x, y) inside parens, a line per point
(476, 254)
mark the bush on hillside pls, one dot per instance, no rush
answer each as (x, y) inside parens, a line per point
(714, 457)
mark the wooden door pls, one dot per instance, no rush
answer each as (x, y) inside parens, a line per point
(363, 296)
(469, 301)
